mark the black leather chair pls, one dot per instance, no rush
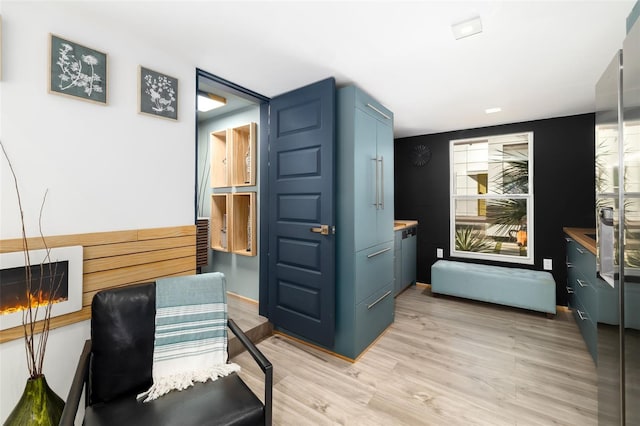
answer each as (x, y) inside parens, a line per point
(115, 365)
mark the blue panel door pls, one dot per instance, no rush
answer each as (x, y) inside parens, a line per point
(301, 257)
(384, 138)
(366, 184)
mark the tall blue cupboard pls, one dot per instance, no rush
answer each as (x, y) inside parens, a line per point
(364, 231)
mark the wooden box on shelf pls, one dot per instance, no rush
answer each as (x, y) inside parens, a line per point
(219, 159)
(220, 222)
(233, 153)
(243, 223)
(243, 169)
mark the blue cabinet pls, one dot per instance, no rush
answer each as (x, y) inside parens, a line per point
(582, 289)
(404, 259)
(364, 228)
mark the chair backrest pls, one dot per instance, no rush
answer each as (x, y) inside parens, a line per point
(122, 336)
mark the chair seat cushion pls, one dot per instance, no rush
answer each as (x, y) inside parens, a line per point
(226, 401)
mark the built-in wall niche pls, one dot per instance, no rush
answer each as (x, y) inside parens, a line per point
(233, 156)
(233, 223)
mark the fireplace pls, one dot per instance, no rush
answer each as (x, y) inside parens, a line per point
(63, 269)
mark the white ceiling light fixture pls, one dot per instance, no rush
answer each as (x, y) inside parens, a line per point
(492, 110)
(467, 28)
(209, 101)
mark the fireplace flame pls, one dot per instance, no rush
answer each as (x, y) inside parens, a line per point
(34, 300)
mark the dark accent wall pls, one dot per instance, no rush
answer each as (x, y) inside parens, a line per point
(564, 188)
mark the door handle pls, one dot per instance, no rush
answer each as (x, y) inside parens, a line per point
(323, 230)
(379, 112)
(369, 256)
(381, 182)
(377, 202)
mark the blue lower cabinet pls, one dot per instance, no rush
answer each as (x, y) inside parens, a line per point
(372, 270)
(588, 329)
(583, 288)
(370, 318)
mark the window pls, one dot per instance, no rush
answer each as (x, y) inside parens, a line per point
(492, 198)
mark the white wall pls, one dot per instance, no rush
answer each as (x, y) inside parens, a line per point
(107, 168)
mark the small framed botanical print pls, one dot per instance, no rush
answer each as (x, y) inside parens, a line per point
(78, 71)
(157, 94)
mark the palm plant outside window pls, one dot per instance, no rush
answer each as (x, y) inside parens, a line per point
(492, 198)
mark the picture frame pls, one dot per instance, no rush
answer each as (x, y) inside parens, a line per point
(77, 71)
(157, 94)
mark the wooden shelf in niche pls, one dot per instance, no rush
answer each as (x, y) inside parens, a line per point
(219, 159)
(243, 223)
(219, 222)
(243, 158)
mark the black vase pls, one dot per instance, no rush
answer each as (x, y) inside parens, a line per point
(39, 405)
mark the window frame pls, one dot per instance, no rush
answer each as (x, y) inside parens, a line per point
(529, 197)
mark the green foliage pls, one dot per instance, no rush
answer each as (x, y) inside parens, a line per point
(513, 179)
(507, 213)
(469, 239)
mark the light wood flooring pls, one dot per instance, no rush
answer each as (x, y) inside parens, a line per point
(444, 361)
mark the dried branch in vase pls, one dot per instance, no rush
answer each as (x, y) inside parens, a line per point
(41, 290)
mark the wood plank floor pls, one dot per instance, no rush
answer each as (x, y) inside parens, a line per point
(444, 361)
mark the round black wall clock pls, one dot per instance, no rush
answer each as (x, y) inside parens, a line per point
(420, 155)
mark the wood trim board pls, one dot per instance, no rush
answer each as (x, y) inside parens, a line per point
(116, 259)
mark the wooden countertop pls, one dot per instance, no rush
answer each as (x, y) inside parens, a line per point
(403, 224)
(579, 235)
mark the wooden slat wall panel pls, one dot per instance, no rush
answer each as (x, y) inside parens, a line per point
(117, 249)
(116, 259)
(109, 263)
(143, 272)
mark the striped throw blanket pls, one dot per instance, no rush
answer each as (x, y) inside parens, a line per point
(191, 333)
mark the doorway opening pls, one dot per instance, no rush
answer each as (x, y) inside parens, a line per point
(230, 135)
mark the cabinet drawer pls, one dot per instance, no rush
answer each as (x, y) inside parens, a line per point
(587, 293)
(581, 258)
(374, 269)
(373, 315)
(587, 329)
(572, 274)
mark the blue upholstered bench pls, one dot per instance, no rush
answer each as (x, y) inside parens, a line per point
(520, 288)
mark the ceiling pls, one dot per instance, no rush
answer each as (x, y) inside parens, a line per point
(534, 59)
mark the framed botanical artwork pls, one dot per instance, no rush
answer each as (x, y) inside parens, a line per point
(157, 94)
(78, 71)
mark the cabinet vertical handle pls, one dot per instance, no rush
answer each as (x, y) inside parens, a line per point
(570, 290)
(379, 300)
(582, 315)
(580, 250)
(379, 112)
(382, 182)
(375, 164)
(582, 283)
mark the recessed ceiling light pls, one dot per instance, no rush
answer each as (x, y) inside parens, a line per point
(209, 101)
(492, 110)
(467, 28)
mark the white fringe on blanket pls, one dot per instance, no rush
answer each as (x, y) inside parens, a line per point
(164, 385)
(191, 333)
